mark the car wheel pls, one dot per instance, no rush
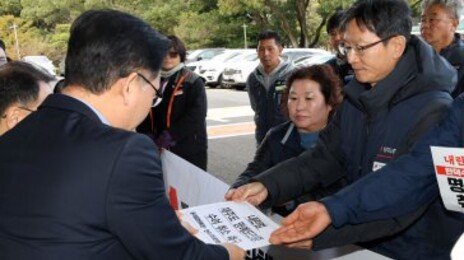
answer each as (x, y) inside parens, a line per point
(219, 82)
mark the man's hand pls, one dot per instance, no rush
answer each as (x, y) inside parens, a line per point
(235, 252)
(300, 227)
(255, 193)
(229, 193)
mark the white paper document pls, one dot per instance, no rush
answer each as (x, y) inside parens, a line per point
(449, 169)
(232, 222)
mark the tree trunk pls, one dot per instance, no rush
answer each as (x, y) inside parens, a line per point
(317, 34)
(301, 9)
(284, 25)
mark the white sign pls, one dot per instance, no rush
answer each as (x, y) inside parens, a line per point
(188, 185)
(231, 222)
(449, 168)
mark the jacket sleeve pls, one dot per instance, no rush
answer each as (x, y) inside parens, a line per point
(321, 166)
(195, 111)
(364, 232)
(261, 162)
(402, 186)
(138, 211)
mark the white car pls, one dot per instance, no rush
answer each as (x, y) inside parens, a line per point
(202, 66)
(41, 62)
(203, 54)
(292, 54)
(213, 70)
(313, 60)
(236, 74)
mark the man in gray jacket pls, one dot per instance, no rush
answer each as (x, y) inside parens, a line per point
(266, 84)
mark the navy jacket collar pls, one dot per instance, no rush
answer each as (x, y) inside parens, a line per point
(64, 102)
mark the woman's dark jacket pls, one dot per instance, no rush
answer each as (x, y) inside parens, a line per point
(188, 118)
(281, 143)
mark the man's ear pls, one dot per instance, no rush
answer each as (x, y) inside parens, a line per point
(13, 116)
(126, 87)
(399, 45)
(455, 23)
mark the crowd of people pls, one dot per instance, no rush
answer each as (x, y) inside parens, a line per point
(80, 169)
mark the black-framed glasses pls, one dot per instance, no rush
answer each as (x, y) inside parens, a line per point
(158, 97)
(23, 108)
(27, 109)
(433, 20)
(359, 50)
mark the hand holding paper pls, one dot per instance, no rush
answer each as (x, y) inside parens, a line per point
(231, 222)
(300, 227)
(254, 193)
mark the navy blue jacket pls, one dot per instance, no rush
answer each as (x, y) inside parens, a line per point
(454, 54)
(372, 128)
(267, 104)
(282, 142)
(73, 188)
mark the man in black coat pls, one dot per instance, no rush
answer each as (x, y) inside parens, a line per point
(75, 181)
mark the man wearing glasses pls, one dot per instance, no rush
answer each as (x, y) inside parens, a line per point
(75, 181)
(400, 90)
(439, 21)
(22, 89)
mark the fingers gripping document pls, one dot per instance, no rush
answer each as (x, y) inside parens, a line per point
(230, 222)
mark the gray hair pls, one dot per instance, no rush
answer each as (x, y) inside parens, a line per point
(454, 7)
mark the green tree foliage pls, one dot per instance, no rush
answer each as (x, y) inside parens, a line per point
(43, 25)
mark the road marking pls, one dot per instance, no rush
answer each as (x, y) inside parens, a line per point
(222, 114)
(231, 130)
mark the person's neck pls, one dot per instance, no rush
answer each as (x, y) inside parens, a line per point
(313, 129)
(438, 46)
(101, 102)
(269, 69)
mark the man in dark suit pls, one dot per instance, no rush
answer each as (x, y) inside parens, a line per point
(75, 181)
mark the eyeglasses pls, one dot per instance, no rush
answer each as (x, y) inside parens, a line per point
(427, 20)
(158, 97)
(23, 108)
(28, 109)
(173, 54)
(359, 50)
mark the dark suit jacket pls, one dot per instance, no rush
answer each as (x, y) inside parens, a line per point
(74, 188)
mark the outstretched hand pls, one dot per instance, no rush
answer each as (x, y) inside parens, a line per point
(302, 225)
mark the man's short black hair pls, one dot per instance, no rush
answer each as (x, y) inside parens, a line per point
(2, 45)
(178, 46)
(106, 45)
(269, 34)
(385, 18)
(335, 20)
(19, 82)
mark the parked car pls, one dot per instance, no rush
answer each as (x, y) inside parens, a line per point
(41, 62)
(236, 74)
(291, 54)
(203, 54)
(201, 67)
(313, 60)
(213, 69)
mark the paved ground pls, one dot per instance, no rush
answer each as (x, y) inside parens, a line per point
(231, 133)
